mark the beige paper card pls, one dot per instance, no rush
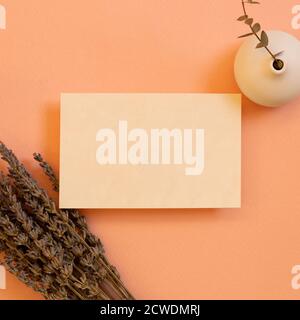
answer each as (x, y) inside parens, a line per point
(150, 151)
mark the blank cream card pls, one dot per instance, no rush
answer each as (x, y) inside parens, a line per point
(150, 151)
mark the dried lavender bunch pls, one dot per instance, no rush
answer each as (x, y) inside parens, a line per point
(49, 249)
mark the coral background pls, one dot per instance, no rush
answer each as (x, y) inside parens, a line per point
(58, 46)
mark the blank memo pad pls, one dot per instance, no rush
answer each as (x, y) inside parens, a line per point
(150, 151)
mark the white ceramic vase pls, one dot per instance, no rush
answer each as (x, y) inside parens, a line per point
(256, 75)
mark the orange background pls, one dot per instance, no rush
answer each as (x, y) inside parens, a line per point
(58, 46)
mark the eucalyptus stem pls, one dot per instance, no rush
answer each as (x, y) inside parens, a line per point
(255, 29)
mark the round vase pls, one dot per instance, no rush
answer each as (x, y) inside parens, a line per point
(259, 78)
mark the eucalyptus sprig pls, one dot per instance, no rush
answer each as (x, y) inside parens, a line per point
(260, 34)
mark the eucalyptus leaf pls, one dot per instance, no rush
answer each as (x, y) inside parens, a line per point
(278, 54)
(246, 35)
(249, 21)
(264, 39)
(242, 18)
(256, 27)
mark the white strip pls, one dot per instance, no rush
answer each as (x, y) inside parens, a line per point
(2, 17)
(2, 278)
